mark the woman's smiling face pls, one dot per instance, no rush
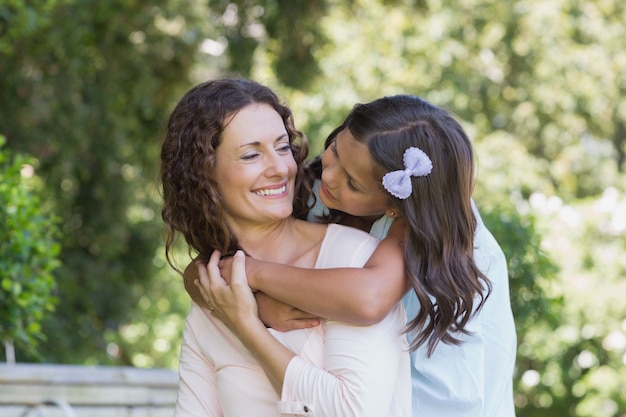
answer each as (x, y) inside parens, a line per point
(349, 179)
(255, 168)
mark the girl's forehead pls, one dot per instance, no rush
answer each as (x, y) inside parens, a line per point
(356, 160)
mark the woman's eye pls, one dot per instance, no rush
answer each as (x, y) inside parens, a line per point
(286, 147)
(351, 186)
(249, 156)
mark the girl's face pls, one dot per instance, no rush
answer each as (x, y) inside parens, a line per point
(255, 168)
(349, 181)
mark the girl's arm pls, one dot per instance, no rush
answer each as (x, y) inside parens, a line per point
(190, 275)
(353, 295)
(365, 367)
(275, 314)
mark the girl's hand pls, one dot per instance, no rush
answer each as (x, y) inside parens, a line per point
(190, 277)
(275, 314)
(232, 303)
(283, 317)
(226, 265)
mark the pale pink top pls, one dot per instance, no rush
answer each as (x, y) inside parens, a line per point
(341, 370)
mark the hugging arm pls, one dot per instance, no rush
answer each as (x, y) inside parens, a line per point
(275, 314)
(363, 367)
(352, 295)
(362, 364)
(234, 304)
(197, 387)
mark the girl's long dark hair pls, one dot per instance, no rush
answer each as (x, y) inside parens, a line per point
(439, 241)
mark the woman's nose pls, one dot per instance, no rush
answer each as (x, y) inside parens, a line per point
(278, 164)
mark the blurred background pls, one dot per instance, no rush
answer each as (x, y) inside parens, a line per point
(86, 87)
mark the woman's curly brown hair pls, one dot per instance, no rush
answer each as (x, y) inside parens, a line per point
(192, 204)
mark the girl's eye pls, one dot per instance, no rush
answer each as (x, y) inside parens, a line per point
(333, 149)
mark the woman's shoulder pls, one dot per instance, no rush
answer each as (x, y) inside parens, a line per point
(348, 232)
(333, 232)
(346, 246)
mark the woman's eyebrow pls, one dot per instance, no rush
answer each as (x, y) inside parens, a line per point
(257, 143)
(281, 137)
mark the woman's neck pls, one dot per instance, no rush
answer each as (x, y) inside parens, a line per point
(290, 241)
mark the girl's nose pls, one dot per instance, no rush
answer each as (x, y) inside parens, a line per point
(329, 170)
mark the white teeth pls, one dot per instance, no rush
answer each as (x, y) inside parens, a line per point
(273, 191)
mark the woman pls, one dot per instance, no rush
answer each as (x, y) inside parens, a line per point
(452, 261)
(232, 180)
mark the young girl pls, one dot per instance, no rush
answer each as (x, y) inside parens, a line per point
(403, 168)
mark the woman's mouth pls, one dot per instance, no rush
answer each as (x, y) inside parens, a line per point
(271, 192)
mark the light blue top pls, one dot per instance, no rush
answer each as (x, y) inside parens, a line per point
(474, 379)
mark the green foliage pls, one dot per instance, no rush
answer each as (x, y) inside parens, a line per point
(283, 33)
(586, 378)
(551, 75)
(532, 273)
(85, 90)
(28, 255)
(537, 307)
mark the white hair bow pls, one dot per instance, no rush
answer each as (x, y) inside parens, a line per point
(416, 164)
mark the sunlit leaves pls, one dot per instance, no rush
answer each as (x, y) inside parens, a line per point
(29, 249)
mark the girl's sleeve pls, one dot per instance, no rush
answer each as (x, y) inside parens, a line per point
(366, 373)
(197, 390)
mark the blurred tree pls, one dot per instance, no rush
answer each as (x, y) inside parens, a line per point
(85, 86)
(550, 74)
(285, 32)
(539, 86)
